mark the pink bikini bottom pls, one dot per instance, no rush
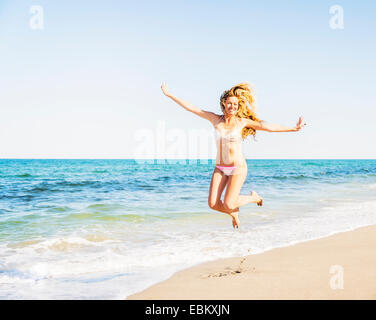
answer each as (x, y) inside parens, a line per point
(227, 170)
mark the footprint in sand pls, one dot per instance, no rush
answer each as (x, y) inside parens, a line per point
(229, 271)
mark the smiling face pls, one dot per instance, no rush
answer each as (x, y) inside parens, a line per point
(231, 105)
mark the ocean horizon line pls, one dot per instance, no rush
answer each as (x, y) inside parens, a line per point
(182, 159)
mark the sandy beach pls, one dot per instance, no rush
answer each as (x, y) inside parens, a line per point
(341, 266)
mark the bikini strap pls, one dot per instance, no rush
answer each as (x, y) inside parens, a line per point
(237, 121)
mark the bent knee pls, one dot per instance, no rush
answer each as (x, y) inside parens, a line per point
(212, 204)
(229, 205)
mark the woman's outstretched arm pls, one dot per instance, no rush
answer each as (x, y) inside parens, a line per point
(271, 127)
(211, 116)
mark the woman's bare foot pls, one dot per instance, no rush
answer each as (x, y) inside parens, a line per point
(257, 198)
(235, 219)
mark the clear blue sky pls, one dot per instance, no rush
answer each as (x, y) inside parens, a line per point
(82, 86)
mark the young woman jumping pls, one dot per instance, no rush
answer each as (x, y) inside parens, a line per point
(236, 123)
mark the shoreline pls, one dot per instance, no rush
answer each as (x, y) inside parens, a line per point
(338, 266)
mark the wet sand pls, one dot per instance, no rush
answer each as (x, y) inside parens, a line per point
(341, 266)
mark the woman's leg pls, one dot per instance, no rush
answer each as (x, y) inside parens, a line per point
(252, 198)
(231, 199)
(217, 185)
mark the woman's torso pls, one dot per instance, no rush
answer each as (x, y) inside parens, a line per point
(229, 143)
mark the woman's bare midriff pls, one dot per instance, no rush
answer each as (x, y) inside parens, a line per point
(233, 156)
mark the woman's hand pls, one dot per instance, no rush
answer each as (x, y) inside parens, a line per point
(208, 115)
(299, 124)
(165, 89)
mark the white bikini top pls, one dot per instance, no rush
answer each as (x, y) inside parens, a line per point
(228, 135)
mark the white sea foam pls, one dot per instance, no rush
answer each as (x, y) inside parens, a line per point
(74, 267)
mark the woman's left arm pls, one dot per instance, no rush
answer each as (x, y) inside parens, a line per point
(271, 127)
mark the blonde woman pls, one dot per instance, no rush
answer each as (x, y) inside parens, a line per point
(236, 123)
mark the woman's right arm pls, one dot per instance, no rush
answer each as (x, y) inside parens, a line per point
(211, 116)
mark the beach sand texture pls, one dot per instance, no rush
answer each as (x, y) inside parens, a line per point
(341, 266)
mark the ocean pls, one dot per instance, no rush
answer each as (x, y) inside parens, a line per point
(104, 229)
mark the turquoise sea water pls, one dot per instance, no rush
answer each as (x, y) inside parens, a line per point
(103, 229)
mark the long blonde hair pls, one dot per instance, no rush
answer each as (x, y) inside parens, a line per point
(246, 95)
